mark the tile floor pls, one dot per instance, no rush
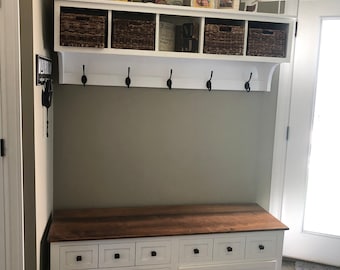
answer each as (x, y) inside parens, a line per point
(289, 264)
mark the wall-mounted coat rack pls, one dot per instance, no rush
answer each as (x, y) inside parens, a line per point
(157, 72)
(253, 44)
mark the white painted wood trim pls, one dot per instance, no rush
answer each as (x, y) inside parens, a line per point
(281, 125)
(102, 69)
(280, 140)
(281, 135)
(11, 118)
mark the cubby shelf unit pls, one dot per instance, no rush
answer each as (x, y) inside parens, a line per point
(151, 68)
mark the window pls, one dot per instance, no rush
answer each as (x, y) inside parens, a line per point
(323, 200)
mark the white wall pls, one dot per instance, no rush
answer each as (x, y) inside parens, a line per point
(43, 144)
(36, 37)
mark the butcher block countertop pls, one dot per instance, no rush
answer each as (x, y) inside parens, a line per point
(128, 222)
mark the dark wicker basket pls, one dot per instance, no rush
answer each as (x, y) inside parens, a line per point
(83, 28)
(224, 39)
(133, 31)
(267, 42)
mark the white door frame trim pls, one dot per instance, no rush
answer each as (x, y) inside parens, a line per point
(12, 134)
(282, 127)
(280, 139)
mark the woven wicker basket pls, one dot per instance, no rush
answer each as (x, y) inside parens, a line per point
(267, 42)
(223, 39)
(133, 31)
(83, 28)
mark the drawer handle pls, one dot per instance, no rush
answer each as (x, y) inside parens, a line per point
(79, 258)
(229, 249)
(196, 251)
(117, 256)
(153, 253)
(261, 247)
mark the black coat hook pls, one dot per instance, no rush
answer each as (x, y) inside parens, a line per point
(83, 78)
(169, 81)
(46, 95)
(247, 84)
(209, 81)
(46, 99)
(128, 79)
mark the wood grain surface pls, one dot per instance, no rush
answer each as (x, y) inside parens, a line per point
(128, 222)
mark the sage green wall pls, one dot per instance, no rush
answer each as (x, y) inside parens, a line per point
(123, 147)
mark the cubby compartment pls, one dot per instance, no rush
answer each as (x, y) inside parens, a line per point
(179, 33)
(82, 27)
(133, 30)
(224, 36)
(267, 39)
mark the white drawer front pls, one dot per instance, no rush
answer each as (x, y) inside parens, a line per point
(267, 265)
(78, 257)
(195, 250)
(261, 246)
(153, 253)
(226, 249)
(117, 255)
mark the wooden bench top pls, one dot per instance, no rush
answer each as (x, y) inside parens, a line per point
(128, 222)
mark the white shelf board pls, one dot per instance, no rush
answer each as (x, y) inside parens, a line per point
(174, 10)
(167, 54)
(111, 70)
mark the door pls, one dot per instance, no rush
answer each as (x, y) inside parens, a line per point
(299, 242)
(2, 196)
(2, 218)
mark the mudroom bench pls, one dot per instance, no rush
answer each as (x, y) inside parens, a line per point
(182, 237)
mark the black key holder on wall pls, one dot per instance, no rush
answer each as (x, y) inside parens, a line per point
(44, 77)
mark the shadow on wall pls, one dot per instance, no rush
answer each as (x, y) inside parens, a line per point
(45, 248)
(48, 25)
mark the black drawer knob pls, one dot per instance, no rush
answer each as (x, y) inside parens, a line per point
(196, 251)
(229, 249)
(261, 247)
(79, 258)
(117, 256)
(153, 253)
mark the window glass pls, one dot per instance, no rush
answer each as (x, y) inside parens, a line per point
(323, 191)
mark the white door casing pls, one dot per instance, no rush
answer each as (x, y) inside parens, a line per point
(282, 122)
